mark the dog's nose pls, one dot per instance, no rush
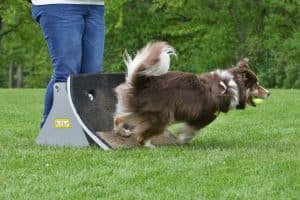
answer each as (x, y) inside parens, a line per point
(268, 94)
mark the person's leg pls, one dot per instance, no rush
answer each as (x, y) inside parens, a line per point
(93, 40)
(62, 27)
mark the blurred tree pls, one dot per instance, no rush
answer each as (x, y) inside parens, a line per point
(22, 47)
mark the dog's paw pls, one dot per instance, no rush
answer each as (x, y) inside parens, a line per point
(184, 139)
(149, 145)
(124, 132)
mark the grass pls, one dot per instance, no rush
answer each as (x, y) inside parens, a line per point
(251, 154)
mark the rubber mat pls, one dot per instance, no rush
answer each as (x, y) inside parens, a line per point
(117, 141)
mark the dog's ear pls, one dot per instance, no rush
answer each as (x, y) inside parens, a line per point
(243, 63)
(244, 73)
(249, 78)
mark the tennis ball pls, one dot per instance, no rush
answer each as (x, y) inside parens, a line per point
(257, 101)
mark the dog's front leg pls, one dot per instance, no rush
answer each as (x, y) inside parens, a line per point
(186, 133)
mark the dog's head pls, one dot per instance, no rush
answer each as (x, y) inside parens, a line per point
(248, 84)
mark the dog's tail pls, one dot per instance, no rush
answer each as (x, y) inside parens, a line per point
(152, 60)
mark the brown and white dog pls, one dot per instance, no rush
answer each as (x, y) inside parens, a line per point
(152, 98)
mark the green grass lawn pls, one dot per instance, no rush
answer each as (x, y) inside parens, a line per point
(250, 154)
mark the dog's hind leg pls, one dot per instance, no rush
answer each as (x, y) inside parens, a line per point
(140, 130)
(145, 131)
(186, 133)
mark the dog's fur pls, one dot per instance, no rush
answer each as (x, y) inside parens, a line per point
(151, 97)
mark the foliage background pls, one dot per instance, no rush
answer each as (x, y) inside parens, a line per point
(206, 34)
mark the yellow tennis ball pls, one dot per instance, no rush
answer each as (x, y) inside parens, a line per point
(257, 101)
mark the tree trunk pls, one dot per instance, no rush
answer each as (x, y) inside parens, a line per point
(20, 77)
(10, 74)
(1, 25)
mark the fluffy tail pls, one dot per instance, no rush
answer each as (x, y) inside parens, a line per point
(152, 60)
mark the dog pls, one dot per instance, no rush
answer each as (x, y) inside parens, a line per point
(152, 97)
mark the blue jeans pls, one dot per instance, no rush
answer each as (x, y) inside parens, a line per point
(75, 39)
